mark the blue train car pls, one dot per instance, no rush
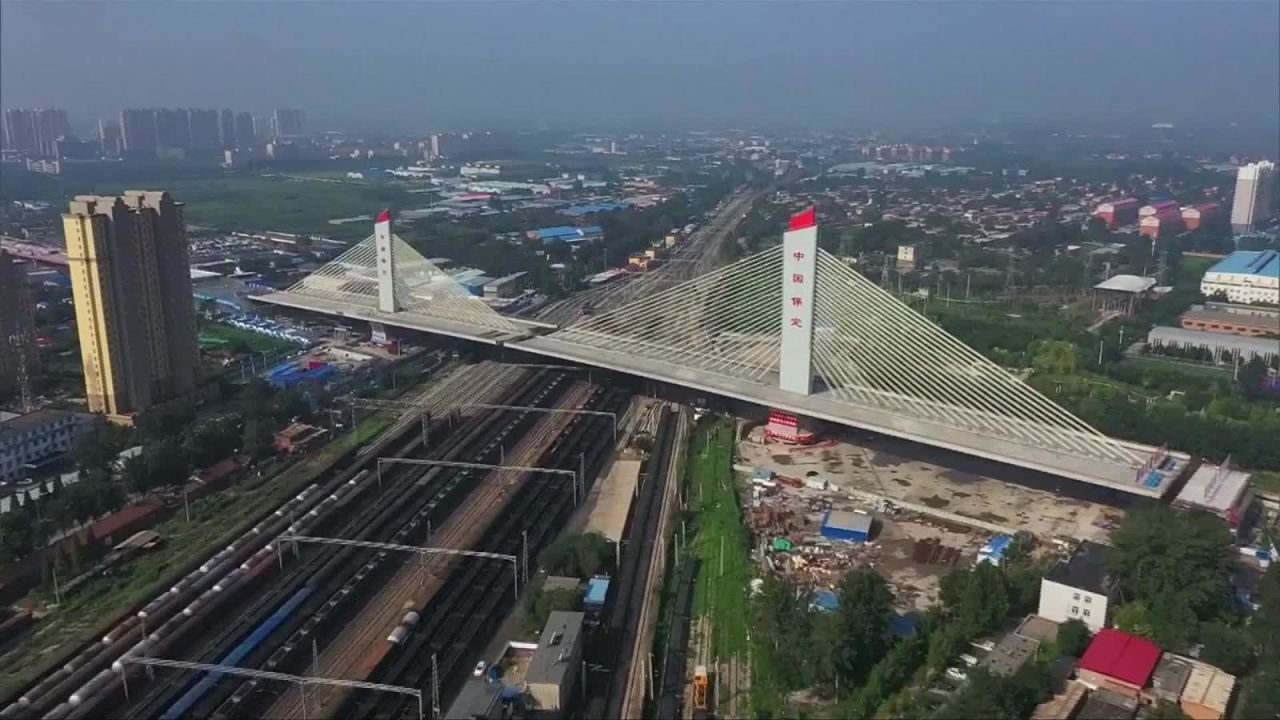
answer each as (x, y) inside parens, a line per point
(237, 654)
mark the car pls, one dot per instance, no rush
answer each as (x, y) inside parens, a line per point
(957, 674)
(968, 659)
(983, 645)
(479, 670)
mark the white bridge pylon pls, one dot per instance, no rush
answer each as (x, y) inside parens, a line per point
(772, 316)
(383, 274)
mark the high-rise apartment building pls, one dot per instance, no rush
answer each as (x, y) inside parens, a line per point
(132, 288)
(110, 142)
(202, 128)
(173, 132)
(138, 129)
(19, 355)
(245, 135)
(287, 123)
(226, 129)
(35, 131)
(1255, 197)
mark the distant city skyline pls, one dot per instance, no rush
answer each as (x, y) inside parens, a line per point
(437, 65)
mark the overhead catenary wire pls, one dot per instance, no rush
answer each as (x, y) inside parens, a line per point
(871, 351)
(421, 288)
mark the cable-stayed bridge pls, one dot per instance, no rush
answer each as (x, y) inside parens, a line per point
(792, 328)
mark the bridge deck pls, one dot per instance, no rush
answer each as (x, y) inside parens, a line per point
(408, 320)
(530, 336)
(823, 407)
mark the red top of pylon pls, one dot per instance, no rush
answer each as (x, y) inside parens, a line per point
(806, 219)
(385, 216)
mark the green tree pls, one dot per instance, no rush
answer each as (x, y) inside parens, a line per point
(780, 614)
(97, 448)
(822, 667)
(1173, 622)
(1054, 357)
(1261, 695)
(168, 464)
(976, 597)
(1134, 618)
(540, 603)
(1161, 553)
(134, 475)
(1226, 647)
(1251, 377)
(18, 534)
(1073, 638)
(1265, 627)
(866, 616)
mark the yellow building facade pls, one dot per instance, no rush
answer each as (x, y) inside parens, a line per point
(131, 283)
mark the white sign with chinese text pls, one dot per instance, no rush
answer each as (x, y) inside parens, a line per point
(799, 262)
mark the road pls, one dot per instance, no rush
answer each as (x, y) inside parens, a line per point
(689, 259)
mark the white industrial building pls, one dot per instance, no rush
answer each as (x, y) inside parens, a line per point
(1245, 277)
(1225, 348)
(35, 437)
(1078, 589)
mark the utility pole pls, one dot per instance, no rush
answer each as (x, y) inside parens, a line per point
(435, 687)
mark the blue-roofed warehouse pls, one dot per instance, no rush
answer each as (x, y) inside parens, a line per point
(597, 591)
(567, 233)
(995, 550)
(1245, 277)
(580, 210)
(849, 526)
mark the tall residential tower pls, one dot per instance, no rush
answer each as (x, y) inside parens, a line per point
(131, 282)
(1255, 196)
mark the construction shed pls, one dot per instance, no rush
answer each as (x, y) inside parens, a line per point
(597, 591)
(553, 669)
(847, 526)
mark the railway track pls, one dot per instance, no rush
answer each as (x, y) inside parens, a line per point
(329, 575)
(362, 645)
(615, 647)
(464, 613)
(159, 624)
(670, 700)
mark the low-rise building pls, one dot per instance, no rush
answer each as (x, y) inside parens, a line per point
(1218, 490)
(566, 233)
(1119, 662)
(1224, 348)
(1107, 705)
(298, 438)
(1245, 277)
(36, 437)
(849, 526)
(1012, 652)
(1122, 294)
(910, 257)
(553, 670)
(1207, 694)
(1195, 216)
(1078, 589)
(1118, 212)
(505, 287)
(1228, 319)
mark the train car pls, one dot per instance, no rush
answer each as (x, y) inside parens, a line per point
(188, 700)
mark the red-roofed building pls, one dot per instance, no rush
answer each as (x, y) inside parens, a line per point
(1119, 662)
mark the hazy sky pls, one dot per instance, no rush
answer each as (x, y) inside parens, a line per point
(411, 66)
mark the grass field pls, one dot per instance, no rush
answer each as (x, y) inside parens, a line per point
(215, 521)
(211, 333)
(720, 591)
(254, 203)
